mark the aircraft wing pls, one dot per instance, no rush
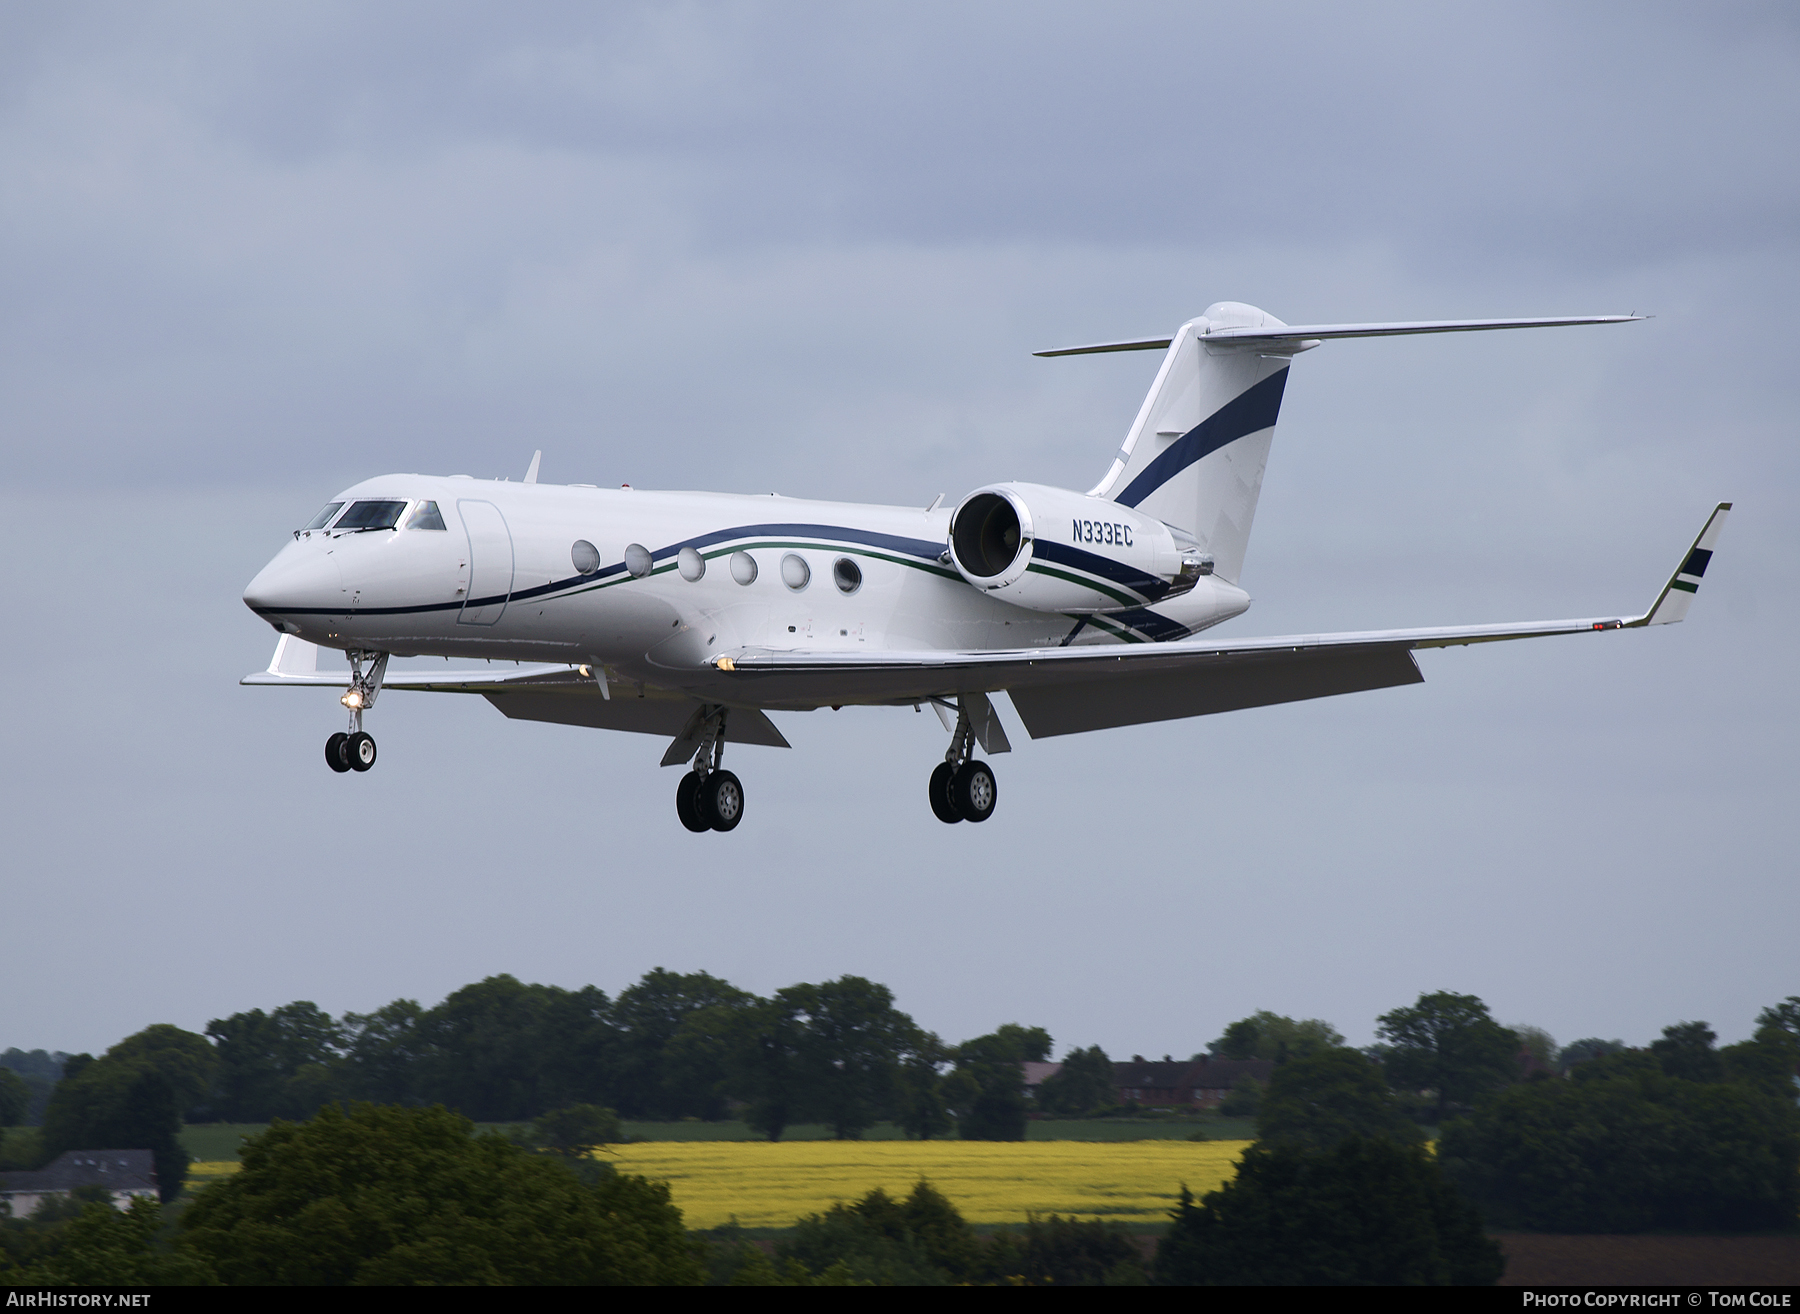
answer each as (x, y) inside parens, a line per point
(529, 691)
(1068, 690)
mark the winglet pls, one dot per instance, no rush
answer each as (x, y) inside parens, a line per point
(1678, 594)
(531, 474)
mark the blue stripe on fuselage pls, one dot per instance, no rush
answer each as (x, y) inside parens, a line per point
(1146, 586)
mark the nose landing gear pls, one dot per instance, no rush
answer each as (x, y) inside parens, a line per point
(355, 751)
(962, 788)
(710, 797)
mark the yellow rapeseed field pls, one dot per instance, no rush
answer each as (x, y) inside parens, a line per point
(772, 1185)
(764, 1184)
(204, 1172)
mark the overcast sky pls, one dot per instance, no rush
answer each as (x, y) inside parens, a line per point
(252, 254)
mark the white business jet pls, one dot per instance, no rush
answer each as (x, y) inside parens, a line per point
(695, 615)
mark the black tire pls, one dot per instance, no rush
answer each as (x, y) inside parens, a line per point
(941, 806)
(973, 792)
(335, 757)
(687, 802)
(359, 749)
(721, 800)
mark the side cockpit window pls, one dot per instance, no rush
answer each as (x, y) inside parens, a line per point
(323, 518)
(425, 516)
(370, 515)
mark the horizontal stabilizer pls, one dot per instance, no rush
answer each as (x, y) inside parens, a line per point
(1296, 333)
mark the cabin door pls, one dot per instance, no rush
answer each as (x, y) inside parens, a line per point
(490, 563)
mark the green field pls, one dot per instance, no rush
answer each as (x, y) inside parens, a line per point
(216, 1142)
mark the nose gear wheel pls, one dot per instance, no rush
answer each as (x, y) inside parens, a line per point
(355, 750)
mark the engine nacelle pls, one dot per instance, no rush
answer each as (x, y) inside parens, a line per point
(1050, 549)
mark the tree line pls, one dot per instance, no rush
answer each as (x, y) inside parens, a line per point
(1592, 1136)
(671, 1046)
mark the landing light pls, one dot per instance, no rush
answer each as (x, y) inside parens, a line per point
(352, 700)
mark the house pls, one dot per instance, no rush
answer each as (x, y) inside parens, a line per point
(1198, 1083)
(123, 1173)
(1036, 1074)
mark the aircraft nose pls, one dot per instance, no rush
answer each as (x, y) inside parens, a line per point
(296, 580)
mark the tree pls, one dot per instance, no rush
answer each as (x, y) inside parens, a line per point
(1266, 1035)
(1687, 1050)
(1622, 1146)
(1083, 1084)
(920, 1107)
(987, 1089)
(40, 1071)
(921, 1241)
(1784, 1016)
(1244, 1100)
(1317, 1101)
(1365, 1212)
(15, 1098)
(651, 1076)
(764, 1066)
(1075, 1252)
(184, 1059)
(101, 1246)
(501, 1050)
(132, 1098)
(274, 1065)
(850, 1045)
(577, 1131)
(1581, 1051)
(1448, 1043)
(1538, 1045)
(408, 1196)
(385, 1052)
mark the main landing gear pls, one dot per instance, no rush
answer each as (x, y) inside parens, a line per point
(710, 797)
(962, 788)
(355, 751)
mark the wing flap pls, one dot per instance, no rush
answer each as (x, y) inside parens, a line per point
(654, 714)
(1067, 709)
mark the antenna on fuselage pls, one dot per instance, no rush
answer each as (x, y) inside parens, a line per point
(531, 474)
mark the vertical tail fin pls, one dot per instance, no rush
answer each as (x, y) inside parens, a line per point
(1196, 453)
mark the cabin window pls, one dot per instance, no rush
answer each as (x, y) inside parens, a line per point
(425, 516)
(795, 573)
(585, 556)
(846, 574)
(324, 517)
(371, 515)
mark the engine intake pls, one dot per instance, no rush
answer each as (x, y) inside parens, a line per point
(986, 533)
(1050, 549)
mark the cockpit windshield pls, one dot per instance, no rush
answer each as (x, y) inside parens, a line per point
(323, 518)
(371, 515)
(425, 516)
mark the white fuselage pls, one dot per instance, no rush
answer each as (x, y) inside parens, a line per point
(504, 579)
